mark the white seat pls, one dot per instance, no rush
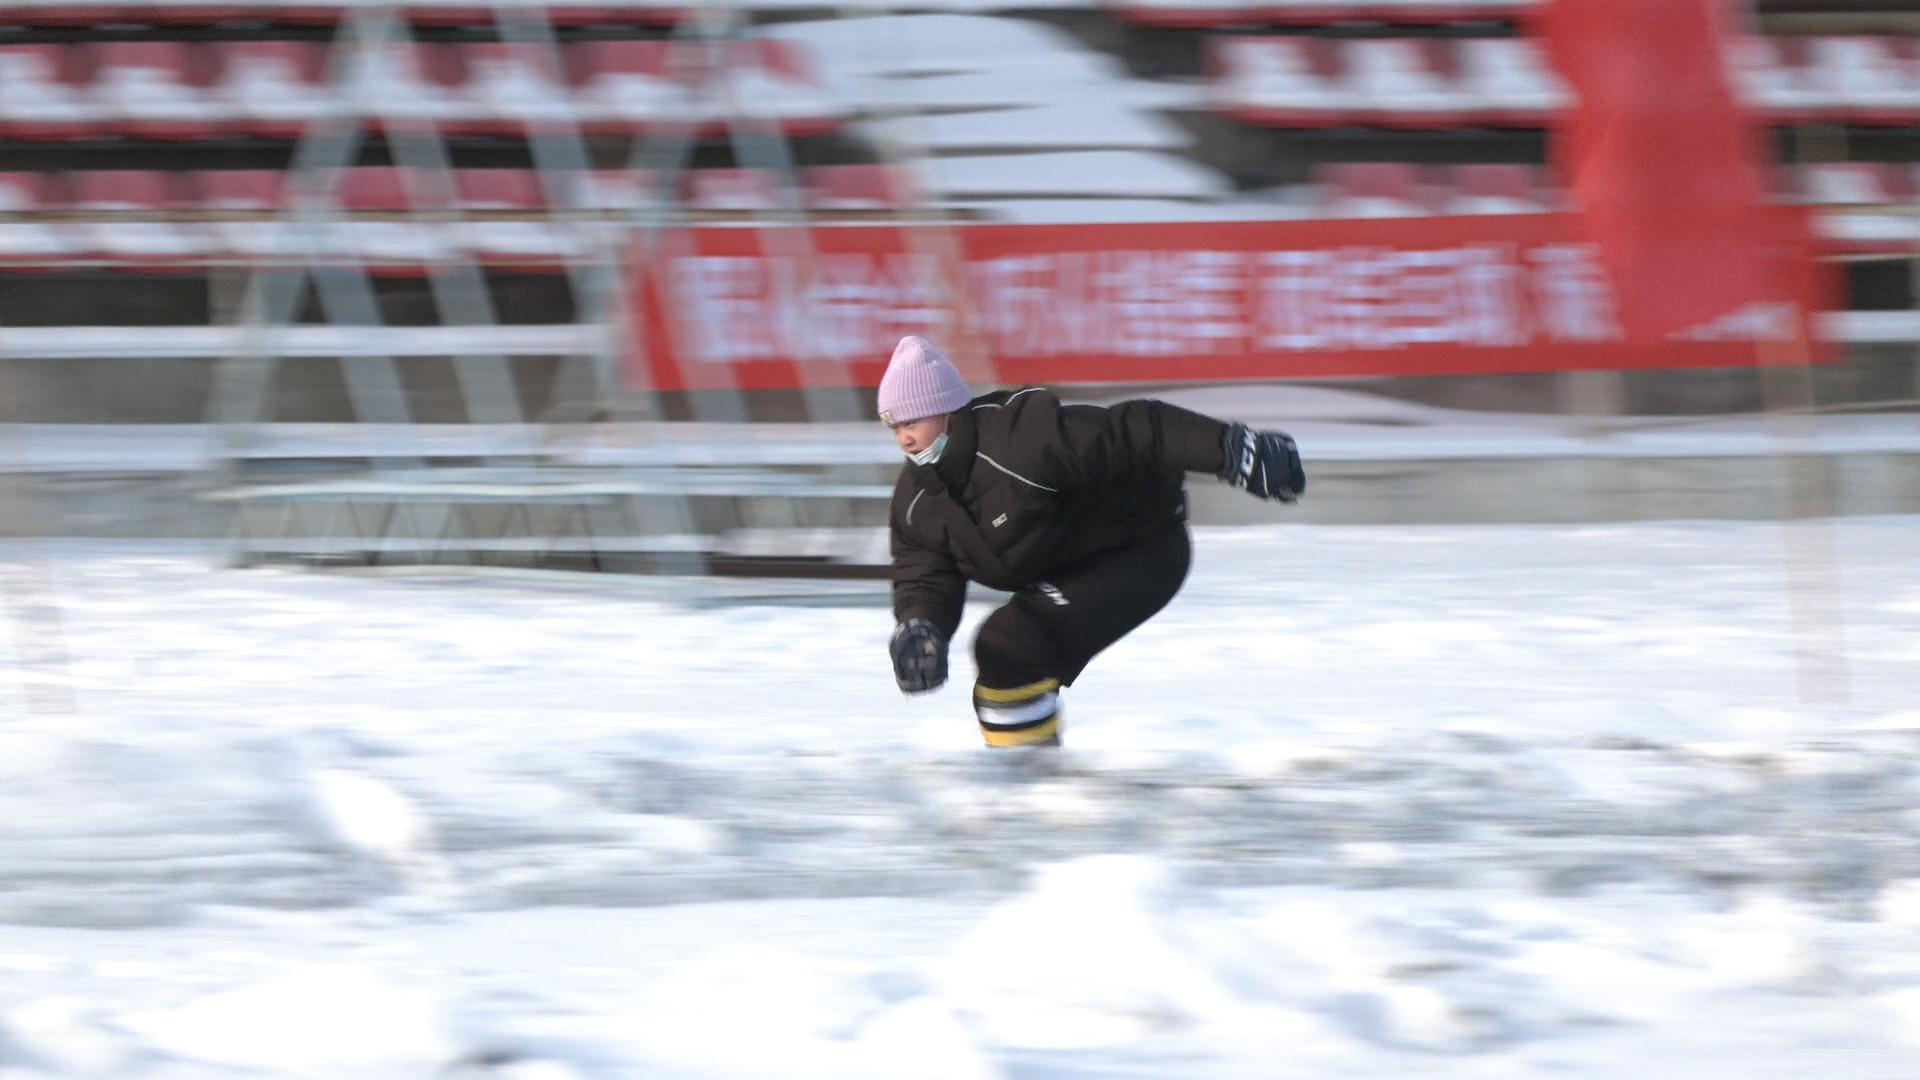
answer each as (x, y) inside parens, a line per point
(1097, 173)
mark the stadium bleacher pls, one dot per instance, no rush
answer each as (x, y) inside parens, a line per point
(1276, 108)
(1009, 112)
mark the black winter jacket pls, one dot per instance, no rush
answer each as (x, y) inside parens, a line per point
(1028, 486)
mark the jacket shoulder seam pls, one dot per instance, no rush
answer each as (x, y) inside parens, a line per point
(1010, 397)
(1013, 474)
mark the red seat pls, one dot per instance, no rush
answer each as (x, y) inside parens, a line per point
(625, 190)
(856, 187)
(1858, 200)
(23, 192)
(775, 82)
(1373, 189)
(408, 84)
(310, 14)
(31, 242)
(381, 188)
(1496, 189)
(1403, 83)
(1770, 76)
(43, 94)
(732, 190)
(123, 189)
(1852, 183)
(531, 239)
(511, 88)
(105, 195)
(627, 86)
(272, 89)
(186, 14)
(633, 12)
(1225, 13)
(1440, 12)
(499, 189)
(154, 89)
(250, 191)
(69, 14)
(240, 189)
(385, 246)
(1278, 81)
(1864, 80)
(1507, 82)
(449, 15)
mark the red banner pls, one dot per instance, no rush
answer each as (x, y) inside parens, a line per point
(1153, 303)
(1666, 169)
(1673, 259)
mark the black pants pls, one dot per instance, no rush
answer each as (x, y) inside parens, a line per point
(1052, 630)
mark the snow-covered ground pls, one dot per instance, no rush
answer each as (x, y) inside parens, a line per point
(1463, 801)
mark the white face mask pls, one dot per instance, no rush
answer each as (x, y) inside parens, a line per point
(932, 453)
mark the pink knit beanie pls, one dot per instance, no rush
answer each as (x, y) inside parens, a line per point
(920, 383)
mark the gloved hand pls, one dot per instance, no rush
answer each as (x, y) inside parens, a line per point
(919, 656)
(1265, 463)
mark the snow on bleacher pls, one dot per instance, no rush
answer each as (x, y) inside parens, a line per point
(1075, 126)
(1009, 109)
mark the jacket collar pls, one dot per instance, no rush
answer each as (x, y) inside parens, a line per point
(956, 461)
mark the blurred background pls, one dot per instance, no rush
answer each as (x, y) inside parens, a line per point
(244, 247)
(442, 539)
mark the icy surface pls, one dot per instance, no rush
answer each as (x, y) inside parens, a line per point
(1470, 801)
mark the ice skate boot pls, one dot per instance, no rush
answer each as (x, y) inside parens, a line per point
(1023, 716)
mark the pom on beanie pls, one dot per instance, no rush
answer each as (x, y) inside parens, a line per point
(919, 383)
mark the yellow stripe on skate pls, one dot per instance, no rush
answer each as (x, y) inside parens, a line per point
(1045, 731)
(1017, 694)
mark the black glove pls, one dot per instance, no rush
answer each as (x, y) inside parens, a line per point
(919, 656)
(1265, 463)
